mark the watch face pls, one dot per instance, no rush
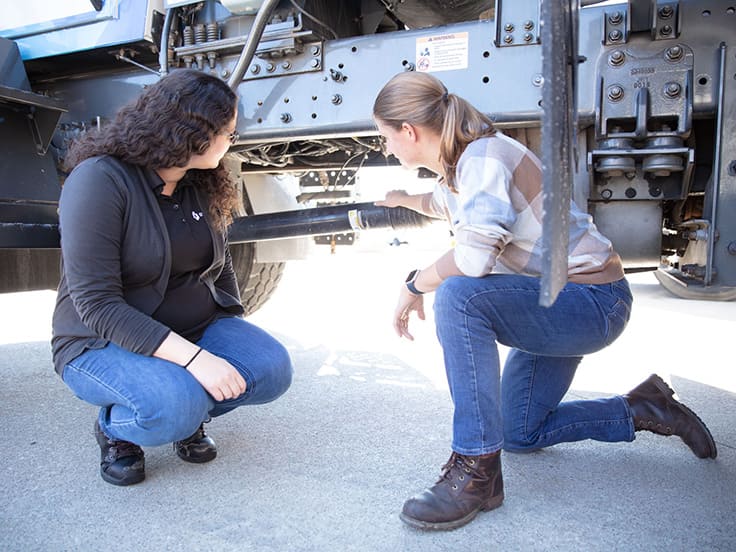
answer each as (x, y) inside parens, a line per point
(411, 275)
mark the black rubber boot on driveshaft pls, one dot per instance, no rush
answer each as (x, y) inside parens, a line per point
(121, 463)
(654, 409)
(467, 485)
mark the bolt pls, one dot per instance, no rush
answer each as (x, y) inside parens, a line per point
(508, 27)
(315, 50)
(314, 63)
(508, 39)
(615, 93)
(666, 12)
(615, 35)
(225, 73)
(606, 194)
(270, 67)
(616, 58)
(528, 25)
(666, 30)
(528, 37)
(732, 248)
(285, 118)
(537, 80)
(336, 99)
(286, 65)
(674, 53)
(672, 89)
(615, 18)
(630, 193)
(255, 69)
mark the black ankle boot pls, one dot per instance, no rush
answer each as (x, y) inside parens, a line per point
(654, 409)
(198, 447)
(121, 463)
(467, 485)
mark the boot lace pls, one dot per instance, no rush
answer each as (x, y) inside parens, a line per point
(460, 467)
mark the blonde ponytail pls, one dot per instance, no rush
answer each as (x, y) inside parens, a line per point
(421, 99)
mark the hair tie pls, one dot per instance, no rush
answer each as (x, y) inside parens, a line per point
(446, 97)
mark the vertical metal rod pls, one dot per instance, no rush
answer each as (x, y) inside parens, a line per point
(716, 167)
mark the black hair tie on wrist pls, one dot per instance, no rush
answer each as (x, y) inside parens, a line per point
(192, 359)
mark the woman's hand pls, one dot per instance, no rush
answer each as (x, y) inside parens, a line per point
(407, 303)
(218, 377)
(394, 198)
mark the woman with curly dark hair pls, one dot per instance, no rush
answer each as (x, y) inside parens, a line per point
(148, 323)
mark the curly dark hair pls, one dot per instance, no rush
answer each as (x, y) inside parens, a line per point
(169, 122)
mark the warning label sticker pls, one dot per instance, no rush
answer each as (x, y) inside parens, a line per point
(442, 52)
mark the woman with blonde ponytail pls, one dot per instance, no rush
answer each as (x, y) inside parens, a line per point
(487, 292)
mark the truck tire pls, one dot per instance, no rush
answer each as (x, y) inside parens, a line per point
(256, 281)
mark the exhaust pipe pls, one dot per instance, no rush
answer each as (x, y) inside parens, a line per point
(321, 221)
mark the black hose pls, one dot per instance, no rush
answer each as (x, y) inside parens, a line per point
(321, 221)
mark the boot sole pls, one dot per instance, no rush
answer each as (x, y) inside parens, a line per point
(660, 384)
(491, 504)
(197, 459)
(123, 482)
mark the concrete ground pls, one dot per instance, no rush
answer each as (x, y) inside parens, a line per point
(365, 425)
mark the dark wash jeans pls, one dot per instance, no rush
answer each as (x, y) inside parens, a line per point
(520, 410)
(149, 401)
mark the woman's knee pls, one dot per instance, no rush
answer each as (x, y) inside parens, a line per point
(450, 297)
(278, 376)
(517, 437)
(164, 416)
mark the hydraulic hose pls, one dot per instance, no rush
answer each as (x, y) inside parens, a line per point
(254, 37)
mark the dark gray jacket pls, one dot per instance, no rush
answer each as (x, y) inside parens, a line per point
(115, 261)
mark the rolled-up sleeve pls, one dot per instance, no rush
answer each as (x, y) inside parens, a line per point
(484, 214)
(92, 217)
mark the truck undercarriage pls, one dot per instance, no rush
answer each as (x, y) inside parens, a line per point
(627, 103)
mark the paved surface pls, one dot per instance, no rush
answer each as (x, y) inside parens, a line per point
(366, 424)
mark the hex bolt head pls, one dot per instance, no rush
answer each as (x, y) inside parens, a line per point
(528, 37)
(285, 118)
(674, 53)
(732, 248)
(508, 27)
(315, 50)
(606, 193)
(666, 12)
(537, 80)
(666, 30)
(508, 39)
(528, 25)
(270, 67)
(616, 58)
(615, 18)
(336, 99)
(255, 69)
(615, 35)
(672, 89)
(286, 65)
(615, 92)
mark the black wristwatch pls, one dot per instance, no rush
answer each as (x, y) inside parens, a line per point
(410, 282)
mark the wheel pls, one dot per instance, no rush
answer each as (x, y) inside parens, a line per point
(685, 289)
(256, 281)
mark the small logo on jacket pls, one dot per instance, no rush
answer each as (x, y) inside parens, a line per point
(196, 215)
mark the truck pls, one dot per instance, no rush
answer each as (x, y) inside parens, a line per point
(627, 103)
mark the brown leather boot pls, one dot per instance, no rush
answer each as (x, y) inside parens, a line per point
(467, 485)
(654, 409)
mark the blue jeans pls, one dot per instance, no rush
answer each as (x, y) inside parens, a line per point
(149, 401)
(521, 410)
